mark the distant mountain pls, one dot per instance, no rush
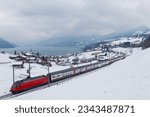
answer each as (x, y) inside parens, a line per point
(70, 41)
(5, 44)
(132, 38)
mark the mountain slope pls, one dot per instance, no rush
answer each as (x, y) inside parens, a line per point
(69, 41)
(131, 38)
(111, 82)
(5, 44)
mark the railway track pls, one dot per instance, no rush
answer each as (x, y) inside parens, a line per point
(11, 95)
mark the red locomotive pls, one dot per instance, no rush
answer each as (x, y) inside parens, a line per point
(29, 83)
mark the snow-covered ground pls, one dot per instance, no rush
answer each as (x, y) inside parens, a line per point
(125, 79)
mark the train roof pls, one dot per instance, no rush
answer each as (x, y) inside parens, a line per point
(65, 70)
(29, 78)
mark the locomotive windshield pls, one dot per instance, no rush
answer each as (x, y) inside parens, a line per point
(16, 84)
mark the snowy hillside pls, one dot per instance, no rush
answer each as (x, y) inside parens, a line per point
(141, 32)
(125, 79)
(132, 40)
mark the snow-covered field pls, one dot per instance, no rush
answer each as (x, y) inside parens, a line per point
(125, 79)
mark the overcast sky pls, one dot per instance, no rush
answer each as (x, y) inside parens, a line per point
(24, 20)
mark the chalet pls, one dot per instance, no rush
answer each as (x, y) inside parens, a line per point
(18, 57)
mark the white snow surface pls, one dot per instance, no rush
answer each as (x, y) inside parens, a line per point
(126, 79)
(4, 58)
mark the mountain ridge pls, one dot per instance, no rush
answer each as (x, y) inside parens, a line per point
(6, 44)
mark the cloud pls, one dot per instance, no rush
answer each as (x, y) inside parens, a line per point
(27, 20)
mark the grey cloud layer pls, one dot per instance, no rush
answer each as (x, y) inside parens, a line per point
(42, 19)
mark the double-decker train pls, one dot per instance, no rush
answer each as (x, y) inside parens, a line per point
(33, 82)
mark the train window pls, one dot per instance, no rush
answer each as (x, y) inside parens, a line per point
(15, 85)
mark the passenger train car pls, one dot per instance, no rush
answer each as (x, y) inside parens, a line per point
(33, 82)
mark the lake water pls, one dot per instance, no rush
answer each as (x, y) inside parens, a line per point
(44, 50)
